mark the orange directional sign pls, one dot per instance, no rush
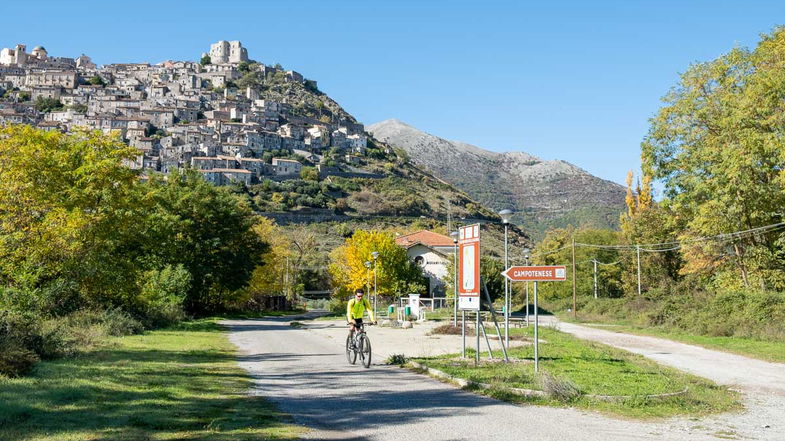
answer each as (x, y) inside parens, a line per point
(536, 273)
(469, 267)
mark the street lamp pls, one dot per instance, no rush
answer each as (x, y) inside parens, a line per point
(506, 214)
(526, 259)
(375, 256)
(454, 235)
(367, 275)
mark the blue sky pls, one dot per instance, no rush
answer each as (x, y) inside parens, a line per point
(572, 80)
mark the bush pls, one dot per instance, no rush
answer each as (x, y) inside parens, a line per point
(163, 293)
(338, 305)
(562, 390)
(26, 337)
(15, 360)
(397, 359)
(114, 322)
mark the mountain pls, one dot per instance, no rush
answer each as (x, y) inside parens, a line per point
(542, 194)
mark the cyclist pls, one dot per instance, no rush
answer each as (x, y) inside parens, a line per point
(355, 309)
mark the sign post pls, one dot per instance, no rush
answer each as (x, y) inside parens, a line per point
(469, 276)
(536, 274)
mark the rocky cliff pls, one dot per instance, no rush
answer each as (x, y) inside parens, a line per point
(543, 194)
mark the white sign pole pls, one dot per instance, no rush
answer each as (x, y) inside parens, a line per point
(477, 331)
(536, 329)
(463, 333)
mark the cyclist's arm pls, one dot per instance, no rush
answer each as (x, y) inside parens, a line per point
(349, 305)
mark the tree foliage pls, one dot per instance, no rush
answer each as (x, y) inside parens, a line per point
(556, 249)
(395, 273)
(78, 229)
(717, 146)
(46, 105)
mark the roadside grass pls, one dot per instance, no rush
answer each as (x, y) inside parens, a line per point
(178, 383)
(590, 369)
(750, 347)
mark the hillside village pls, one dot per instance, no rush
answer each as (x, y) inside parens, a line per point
(213, 116)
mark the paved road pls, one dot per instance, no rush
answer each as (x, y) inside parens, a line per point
(305, 372)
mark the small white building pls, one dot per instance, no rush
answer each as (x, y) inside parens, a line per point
(431, 252)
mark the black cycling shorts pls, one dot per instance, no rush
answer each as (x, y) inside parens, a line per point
(359, 322)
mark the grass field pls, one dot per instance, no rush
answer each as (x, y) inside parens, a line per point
(181, 383)
(578, 368)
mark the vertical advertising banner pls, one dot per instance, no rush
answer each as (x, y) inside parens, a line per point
(469, 267)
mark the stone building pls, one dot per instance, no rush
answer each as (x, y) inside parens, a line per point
(225, 52)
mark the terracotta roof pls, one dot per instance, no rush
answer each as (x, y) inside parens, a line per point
(424, 237)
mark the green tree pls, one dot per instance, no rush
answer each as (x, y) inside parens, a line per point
(46, 105)
(646, 222)
(205, 60)
(207, 229)
(96, 80)
(67, 213)
(556, 249)
(717, 148)
(309, 174)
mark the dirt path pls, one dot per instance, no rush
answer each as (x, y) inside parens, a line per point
(305, 372)
(762, 383)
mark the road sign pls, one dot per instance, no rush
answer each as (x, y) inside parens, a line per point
(469, 267)
(536, 273)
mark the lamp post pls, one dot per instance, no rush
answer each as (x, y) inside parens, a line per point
(367, 275)
(454, 235)
(375, 256)
(526, 259)
(506, 214)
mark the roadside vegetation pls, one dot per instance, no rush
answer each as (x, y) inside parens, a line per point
(746, 323)
(177, 383)
(89, 250)
(706, 263)
(573, 370)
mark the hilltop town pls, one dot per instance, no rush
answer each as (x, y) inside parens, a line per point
(231, 118)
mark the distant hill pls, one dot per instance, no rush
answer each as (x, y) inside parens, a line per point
(543, 194)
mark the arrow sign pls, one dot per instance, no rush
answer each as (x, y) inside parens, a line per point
(536, 273)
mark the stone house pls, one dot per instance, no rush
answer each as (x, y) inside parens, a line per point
(286, 166)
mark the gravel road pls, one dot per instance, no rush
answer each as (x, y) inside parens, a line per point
(304, 371)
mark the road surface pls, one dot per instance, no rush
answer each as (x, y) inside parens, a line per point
(304, 371)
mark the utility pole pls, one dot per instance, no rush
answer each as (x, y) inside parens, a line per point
(454, 235)
(638, 250)
(574, 290)
(595, 277)
(526, 286)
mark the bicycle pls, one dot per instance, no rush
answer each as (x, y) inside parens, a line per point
(361, 345)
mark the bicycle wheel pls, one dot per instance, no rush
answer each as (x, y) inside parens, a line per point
(351, 354)
(365, 351)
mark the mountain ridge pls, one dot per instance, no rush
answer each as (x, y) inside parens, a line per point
(543, 194)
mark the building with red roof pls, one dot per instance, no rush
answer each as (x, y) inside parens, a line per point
(432, 252)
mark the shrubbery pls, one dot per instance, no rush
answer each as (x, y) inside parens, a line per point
(755, 314)
(27, 337)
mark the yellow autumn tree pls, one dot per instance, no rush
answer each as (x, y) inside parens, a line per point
(395, 273)
(270, 277)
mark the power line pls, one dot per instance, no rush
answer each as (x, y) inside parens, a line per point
(723, 236)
